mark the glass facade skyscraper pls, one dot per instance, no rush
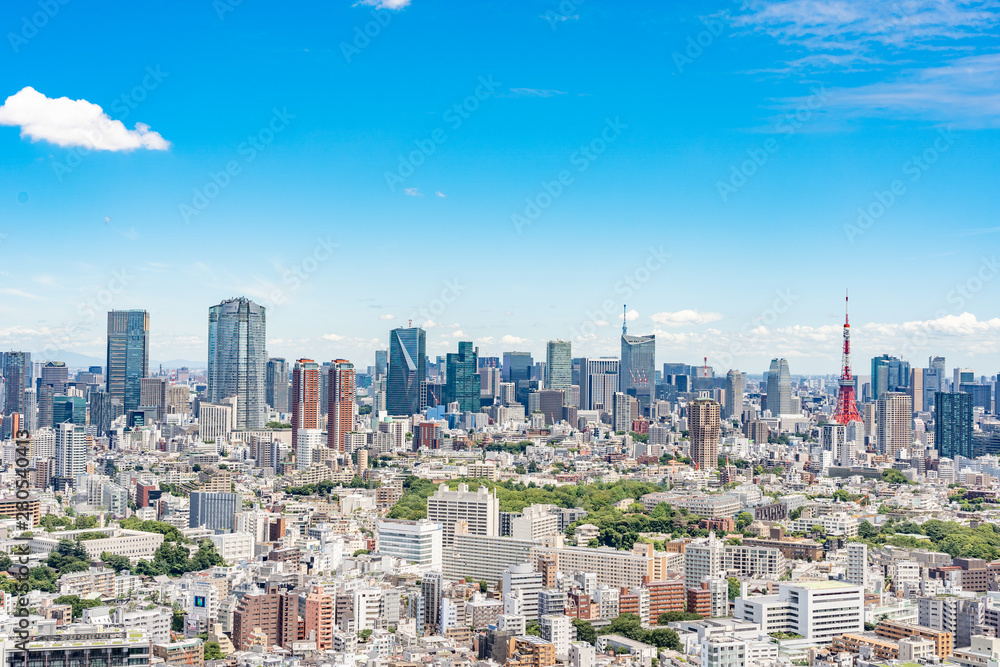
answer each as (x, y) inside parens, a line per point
(462, 381)
(16, 370)
(558, 365)
(128, 355)
(889, 374)
(779, 388)
(638, 369)
(237, 359)
(276, 392)
(953, 424)
(407, 370)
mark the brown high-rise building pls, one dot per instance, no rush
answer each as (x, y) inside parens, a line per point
(665, 596)
(305, 398)
(319, 618)
(548, 565)
(340, 411)
(704, 426)
(258, 610)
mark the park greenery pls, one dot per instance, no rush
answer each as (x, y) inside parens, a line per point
(630, 626)
(948, 537)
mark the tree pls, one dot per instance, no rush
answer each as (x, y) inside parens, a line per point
(77, 604)
(483, 587)
(894, 476)
(867, 531)
(795, 513)
(668, 617)
(533, 629)
(117, 563)
(585, 631)
(213, 651)
(177, 621)
(734, 588)
(743, 519)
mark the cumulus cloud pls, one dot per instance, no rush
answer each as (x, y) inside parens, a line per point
(458, 333)
(430, 324)
(631, 316)
(333, 337)
(65, 122)
(384, 4)
(513, 340)
(684, 318)
(386, 316)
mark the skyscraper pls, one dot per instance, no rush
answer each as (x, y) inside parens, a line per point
(704, 425)
(237, 360)
(779, 388)
(916, 389)
(381, 363)
(734, 395)
(305, 398)
(637, 369)
(889, 374)
(407, 370)
(70, 452)
(953, 424)
(599, 380)
(558, 365)
(128, 355)
(16, 372)
(517, 366)
(462, 382)
(341, 390)
(276, 391)
(894, 423)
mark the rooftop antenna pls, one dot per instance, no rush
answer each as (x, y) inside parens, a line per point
(624, 317)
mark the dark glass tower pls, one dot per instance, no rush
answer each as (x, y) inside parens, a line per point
(407, 370)
(237, 360)
(462, 381)
(953, 424)
(277, 384)
(637, 371)
(16, 375)
(128, 355)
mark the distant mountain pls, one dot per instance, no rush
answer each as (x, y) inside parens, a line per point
(77, 360)
(179, 363)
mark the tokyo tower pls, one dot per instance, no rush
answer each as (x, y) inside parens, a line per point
(847, 402)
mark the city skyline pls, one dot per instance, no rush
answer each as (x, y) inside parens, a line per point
(739, 144)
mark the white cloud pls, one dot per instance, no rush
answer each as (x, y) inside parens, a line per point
(684, 318)
(385, 4)
(485, 340)
(458, 333)
(440, 194)
(430, 324)
(332, 336)
(65, 122)
(413, 192)
(386, 316)
(513, 340)
(631, 316)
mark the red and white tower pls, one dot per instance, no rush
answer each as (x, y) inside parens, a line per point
(847, 402)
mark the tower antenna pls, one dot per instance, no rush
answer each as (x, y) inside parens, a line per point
(847, 402)
(624, 317)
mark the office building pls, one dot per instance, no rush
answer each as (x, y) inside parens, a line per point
(817, 610)
(16, 371)
(779, 388)
(305, 399)
(480, 509)
(276, 387)
(237, 359)
(916, 389)
(462, 379)
(889, 374)
(153, 394)
(734, 395)
(894, 423)
(637, 374)
(215, 511)
(69, 410)
(407, 370)
(558, 365)
(340, 406)
(128, 356)
(599, 382)
(77, 644)
(704, 425)
(418, 542)
(517, 366)
(953, 424)
(981, 395)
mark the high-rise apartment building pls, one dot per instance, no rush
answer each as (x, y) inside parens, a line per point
(558, 365)
(779, 388)
(894, 423)
(305, 398)
(276, 388)
(340, 410)
(703, 558)
(128, 356)
(407, 370)
(480, 508)
(237, 359)
(734, 395)
(857, 564)
(704, 425)
(462, 379)
(70, 452)
(916, 389)
(637, 374)
(153, 394)
(953, 424)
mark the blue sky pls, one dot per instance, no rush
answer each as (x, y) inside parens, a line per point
(648, 115)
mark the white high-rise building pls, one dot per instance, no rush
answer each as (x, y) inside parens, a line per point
(43, 443)
(70, 451)
(480, 509)
(703, 559)
(215, 422)
(599, 381)
(857, 564)
(558, 365)
(521, 583)
(556, 630)
(734, 395)
(416, 542)
(309, 440)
